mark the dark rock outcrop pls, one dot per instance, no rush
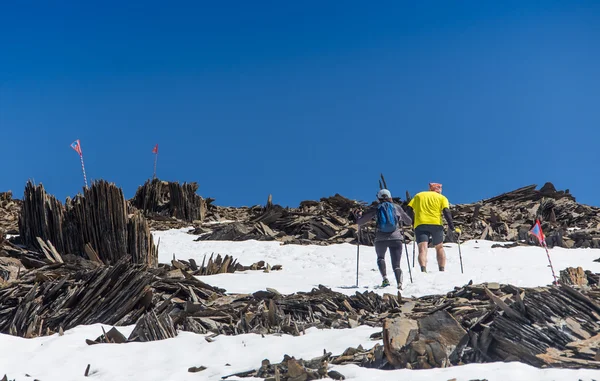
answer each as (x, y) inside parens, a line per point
(170, 199)
(97, 224)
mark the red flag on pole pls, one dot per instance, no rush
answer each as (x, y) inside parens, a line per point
(76, 146)
(536, 230)
(155, 152)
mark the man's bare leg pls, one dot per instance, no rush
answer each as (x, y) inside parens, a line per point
(441, 256)
(423, 256)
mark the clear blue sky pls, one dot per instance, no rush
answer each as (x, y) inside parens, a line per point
(302, 99)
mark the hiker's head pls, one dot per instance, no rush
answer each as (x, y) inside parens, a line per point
(435, 187)
(384, 195)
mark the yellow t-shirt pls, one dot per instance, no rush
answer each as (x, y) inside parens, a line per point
(428, 208)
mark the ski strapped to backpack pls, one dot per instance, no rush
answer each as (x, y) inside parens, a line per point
(386, 217)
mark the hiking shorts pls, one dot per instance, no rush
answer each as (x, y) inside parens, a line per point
(435, 232)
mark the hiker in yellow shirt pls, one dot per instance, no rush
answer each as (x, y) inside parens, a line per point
(428, 208)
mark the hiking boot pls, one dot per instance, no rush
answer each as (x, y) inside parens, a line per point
(399, 285)
(385, 282)
(423, 269)
(441, 268)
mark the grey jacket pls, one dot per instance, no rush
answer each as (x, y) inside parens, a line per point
(371, 212)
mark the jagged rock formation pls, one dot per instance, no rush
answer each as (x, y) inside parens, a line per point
(313, 222)
(42, 301)
(555, 326)
(97, 224)
(170, 199)
(506, 217)
(509, 216)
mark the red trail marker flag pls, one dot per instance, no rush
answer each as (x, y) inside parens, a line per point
(536, 231)
(76, 145)
(155, 152)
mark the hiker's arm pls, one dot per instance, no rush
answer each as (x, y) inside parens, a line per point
(448, 217)
(402, 216)
(366, 216)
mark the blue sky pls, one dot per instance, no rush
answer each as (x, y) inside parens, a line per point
(302, 99)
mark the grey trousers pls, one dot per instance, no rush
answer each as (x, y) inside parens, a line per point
(395, 247)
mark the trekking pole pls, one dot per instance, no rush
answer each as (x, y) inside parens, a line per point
(407, 258)
(555, 283)
(460, 254)
(414, 243)
(357, 253)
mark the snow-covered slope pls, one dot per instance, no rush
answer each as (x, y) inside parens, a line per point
(304, 267)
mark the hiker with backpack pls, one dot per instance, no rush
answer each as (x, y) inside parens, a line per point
(388, 235)
(428, 207)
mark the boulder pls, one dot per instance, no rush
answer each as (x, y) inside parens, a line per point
(428, 342)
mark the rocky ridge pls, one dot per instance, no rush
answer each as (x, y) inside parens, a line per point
(504, 218)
